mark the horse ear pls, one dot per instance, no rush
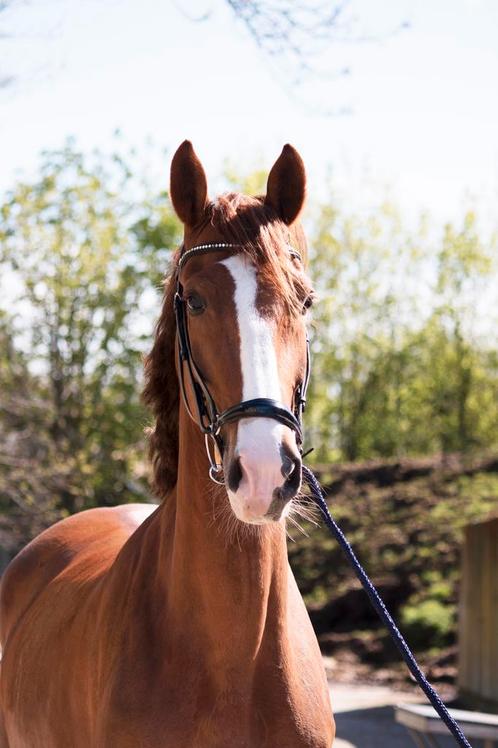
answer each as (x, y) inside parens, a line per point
(188, 185)
(286, 188)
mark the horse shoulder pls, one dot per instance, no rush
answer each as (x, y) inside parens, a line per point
(49, 600)
(59, 547)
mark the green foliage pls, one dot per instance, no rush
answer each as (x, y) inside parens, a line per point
(82, 253)
(429, 616)
(430, 621)
(404, 342)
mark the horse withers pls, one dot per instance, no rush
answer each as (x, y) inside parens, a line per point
(181, 625)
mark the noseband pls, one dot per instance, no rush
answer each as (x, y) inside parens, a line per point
(205, 413)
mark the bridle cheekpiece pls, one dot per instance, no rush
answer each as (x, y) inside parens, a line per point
(205, 413)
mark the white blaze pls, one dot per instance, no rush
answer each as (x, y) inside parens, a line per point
(258, 439)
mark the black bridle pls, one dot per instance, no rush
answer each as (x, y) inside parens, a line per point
(205, 413)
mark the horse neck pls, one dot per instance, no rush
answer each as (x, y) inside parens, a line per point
(220, 577)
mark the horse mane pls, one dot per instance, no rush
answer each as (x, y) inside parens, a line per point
(254, 225)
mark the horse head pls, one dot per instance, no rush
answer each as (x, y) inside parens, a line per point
(239, 339)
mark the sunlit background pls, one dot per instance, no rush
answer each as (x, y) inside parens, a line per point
(393, 107)
(414, 110)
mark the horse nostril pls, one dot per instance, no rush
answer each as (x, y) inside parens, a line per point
(293, 478)
(288, 466)
(234, 474)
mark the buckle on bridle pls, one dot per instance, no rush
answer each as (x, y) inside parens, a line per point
(215, 468)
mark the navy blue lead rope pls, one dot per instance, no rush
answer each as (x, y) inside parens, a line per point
(383, 613)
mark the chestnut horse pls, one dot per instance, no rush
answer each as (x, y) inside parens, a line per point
(181, 625)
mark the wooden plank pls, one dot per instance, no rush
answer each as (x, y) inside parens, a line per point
(493, 654)
(486, 532)
(463, 608)
(473, 611)
(477, 584)
(427, 712)
(426, 721)
(483, 607)
(494, 592)
(478, 615)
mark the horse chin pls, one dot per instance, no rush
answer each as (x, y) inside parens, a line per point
(260, 512)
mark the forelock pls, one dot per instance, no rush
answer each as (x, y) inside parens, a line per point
(253, 225)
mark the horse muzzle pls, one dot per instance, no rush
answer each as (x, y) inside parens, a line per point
(263, 473)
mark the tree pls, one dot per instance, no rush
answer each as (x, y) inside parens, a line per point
(394, 374)
(456, 356)
(297, 32)
(357, 336)
(84, 248)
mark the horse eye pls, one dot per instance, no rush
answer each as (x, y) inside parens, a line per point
(308, 303)
(195, 304)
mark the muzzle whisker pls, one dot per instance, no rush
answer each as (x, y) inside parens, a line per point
(296, 524)
(221, 515)
(293, 540)
(303, 506)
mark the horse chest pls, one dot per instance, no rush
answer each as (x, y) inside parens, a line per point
(187, 707)
(240, 725)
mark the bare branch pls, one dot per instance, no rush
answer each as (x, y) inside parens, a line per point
(299, 34)
(298, 31)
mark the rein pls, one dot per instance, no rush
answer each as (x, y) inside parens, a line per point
(205, 413)
(211, 421)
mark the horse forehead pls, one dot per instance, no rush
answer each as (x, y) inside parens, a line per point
(252, 295)
(244, 275)
(204, 274)
(237, 278)
(258, 359)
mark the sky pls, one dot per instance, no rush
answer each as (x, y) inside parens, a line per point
(423, 105)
